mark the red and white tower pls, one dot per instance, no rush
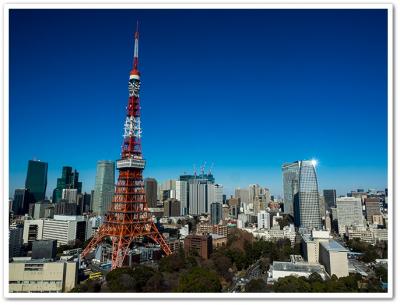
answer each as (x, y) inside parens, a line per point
(129, 218)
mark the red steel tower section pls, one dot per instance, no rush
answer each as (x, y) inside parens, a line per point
(129, 218)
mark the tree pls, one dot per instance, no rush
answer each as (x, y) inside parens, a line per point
(381, 273)
(256, 285)
(128, 279)
(172, 263)
(199, 279)
(292, 284)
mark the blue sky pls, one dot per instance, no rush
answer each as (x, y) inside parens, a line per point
(246, 90)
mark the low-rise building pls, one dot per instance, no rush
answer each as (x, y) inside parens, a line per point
(334, 257)
(282, 269)
(28, 275)
(212, 229)
(218, 240)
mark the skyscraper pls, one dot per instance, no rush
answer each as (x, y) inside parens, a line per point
(69, 180)
(181, 195)
(104, 186)
(198, 196)
(290, 173)
(330, 198)
(150, 186)
(306, 197)
(216, 212)
(36, 180)
(21, 202)
(348, 213)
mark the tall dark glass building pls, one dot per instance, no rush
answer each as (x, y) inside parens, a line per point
(330, 198)
(21, 202)
(36, 180)
(69, 180)
(290, 173)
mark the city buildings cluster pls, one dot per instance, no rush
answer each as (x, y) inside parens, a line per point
(194, 214)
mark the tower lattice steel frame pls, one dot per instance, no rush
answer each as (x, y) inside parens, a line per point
(129, 218)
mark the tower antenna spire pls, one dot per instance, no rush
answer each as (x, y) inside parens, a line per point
(136, 48)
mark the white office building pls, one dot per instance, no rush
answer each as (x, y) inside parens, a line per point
(263, 220)
(349, 213)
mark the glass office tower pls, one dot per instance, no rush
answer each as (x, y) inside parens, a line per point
(36, 180)
(290, 173)
(306, 200)
(104, 186)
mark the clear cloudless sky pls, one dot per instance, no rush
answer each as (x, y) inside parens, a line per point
(246, 90)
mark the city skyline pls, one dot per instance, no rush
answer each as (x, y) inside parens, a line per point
(235, 120)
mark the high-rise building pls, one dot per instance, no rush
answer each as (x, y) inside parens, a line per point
(290, 173)
(348, 213)
(330, 198)
(181, 194)
(36, 180)
(198, 196)
(104, 186)
(306, 199)
(263, 220)
(15, 238)
(172, 208)
(234, 207)
(65, 208)
(216, 212)
(150, 186)
(21, 202)
(41, 209)
(84, 201)
(70, 195)
(69, 180)
(372, 207)
(243, 194)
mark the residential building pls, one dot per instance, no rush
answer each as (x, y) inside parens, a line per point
(205, 228)
(199, 244)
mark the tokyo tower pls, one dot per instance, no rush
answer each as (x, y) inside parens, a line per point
(128, 217)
